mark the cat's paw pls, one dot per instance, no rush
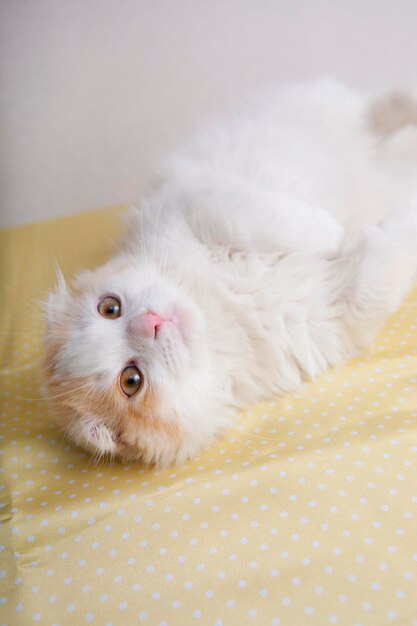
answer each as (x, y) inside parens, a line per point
(398, 230)
(327, 237)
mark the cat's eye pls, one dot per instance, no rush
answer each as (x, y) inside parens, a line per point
(110, 308)
(131, 380)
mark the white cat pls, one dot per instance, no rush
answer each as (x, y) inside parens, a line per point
(254, 266)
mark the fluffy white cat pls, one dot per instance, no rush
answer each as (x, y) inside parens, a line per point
(255, 265)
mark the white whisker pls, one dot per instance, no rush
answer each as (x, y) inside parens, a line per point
(59, 395)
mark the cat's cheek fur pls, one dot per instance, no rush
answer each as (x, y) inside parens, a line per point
(107, 424)
(151, 441)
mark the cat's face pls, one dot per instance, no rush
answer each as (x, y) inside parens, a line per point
(126, 363)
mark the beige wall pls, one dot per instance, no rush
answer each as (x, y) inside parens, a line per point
(93, 91)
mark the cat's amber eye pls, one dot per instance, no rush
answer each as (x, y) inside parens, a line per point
(110, 308)
(131, 380)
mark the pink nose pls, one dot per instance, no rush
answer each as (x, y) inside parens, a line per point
(146, 324)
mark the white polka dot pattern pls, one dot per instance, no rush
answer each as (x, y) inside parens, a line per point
(304, 513)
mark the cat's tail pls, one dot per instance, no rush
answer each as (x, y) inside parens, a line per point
(391, 113)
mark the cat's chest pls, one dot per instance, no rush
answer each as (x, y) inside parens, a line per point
(261, 295)
(275, 316)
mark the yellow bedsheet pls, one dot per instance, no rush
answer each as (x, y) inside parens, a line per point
(304, 513)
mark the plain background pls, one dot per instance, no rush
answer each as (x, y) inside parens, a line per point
(92, 92)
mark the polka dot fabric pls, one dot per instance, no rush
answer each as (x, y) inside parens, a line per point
(304, 513)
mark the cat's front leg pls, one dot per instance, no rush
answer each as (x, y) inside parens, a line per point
(253, 219)
(307, 228)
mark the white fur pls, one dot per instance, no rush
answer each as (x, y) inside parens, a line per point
(263, 235)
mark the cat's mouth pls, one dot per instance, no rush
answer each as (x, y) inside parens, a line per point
(174, 326)
(149, 324)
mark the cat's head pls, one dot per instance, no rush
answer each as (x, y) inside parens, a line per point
(126, 364)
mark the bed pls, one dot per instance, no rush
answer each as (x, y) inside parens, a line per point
(303, 513)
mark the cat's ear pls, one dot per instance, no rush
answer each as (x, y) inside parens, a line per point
(57, 299)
